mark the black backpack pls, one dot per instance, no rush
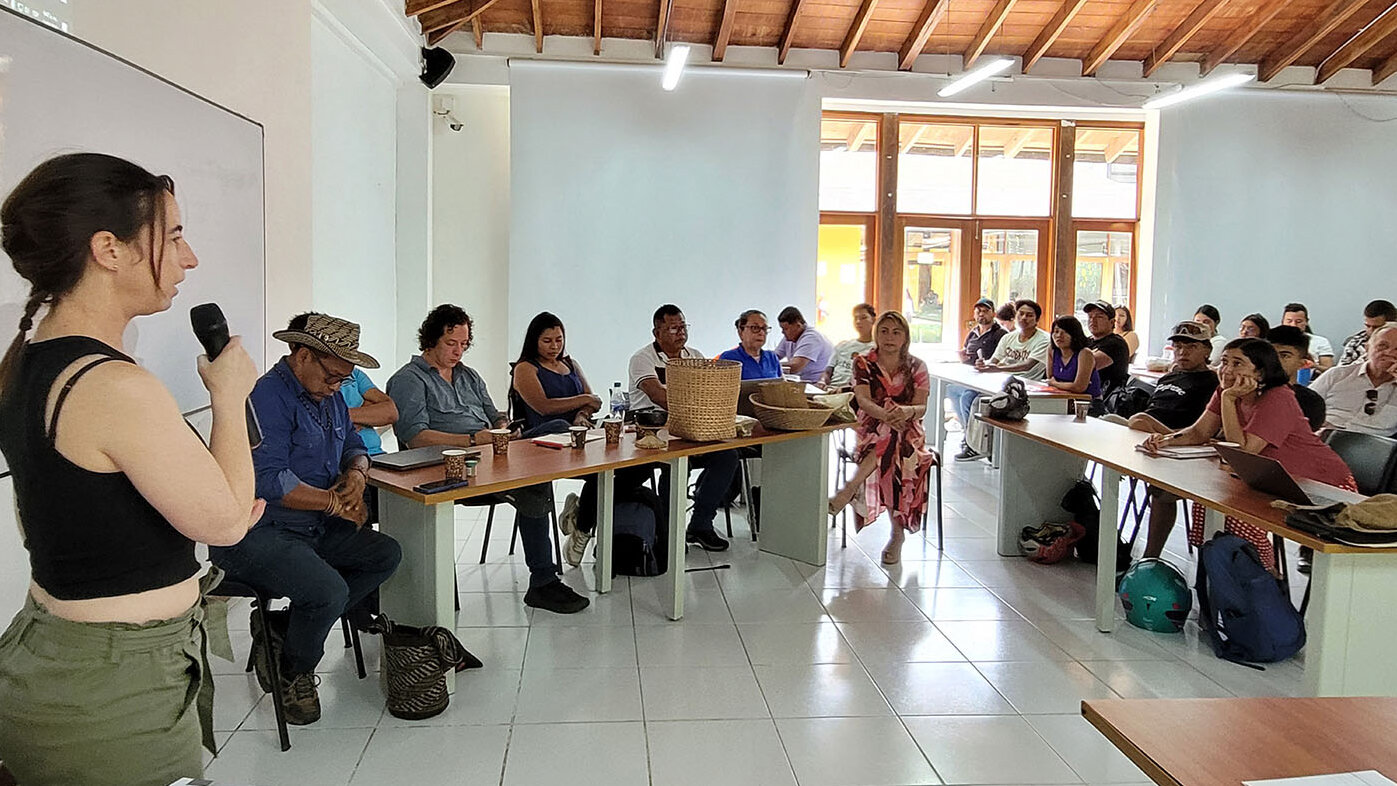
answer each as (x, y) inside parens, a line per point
(1080, 501)
(640, 528)
(1127, 400)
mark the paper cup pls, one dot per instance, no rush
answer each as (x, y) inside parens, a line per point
(499, 437)
(612, 427)
(1080, 410)
(579, 436)
(455, 463)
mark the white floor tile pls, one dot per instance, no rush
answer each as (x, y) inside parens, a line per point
(820, 691)
(480, 609)
(318, 757)
(865, 605)
(911, 574)
(1001, 640)
(776, 606)
(988, 749)
(497, 648)
(751, 754)
(483, 697)
(440, 754)
(577, 754)
(234, 696)
(799, 644)
(855, 570)
(612, 608)
(650, 603)
(1086, 751)
(854, 752)
(961, 603)
(576, 648)
(1036, 687)
(938, 689)
(698, 693)
(346, 702)
(1156, 679)
(492, 577)
(977, 549)
(573, 695)
(1083, 641)
(899, 642)
(690, 644)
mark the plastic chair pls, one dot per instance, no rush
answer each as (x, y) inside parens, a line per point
(1372, 459)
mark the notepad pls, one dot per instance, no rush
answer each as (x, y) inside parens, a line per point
(1183, 451)
(1363, 778)
(559, 441)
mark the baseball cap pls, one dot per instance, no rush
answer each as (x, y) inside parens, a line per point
(986, 302)
(1102, 306)
(1190, 331)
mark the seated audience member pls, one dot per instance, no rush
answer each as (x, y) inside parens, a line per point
(647, 379)
(1125, 328)
(1004, 317)
(1023, 352)
(1293, 349)
(1073, 363)
(1296, 315)
(1363, 396)
(442, 401)
(1375, 315)
(894, 464)
(840, 374)
(369, 408)
(1256, 409)
(803, 351)
(1209, 315)
(984, 335)
(1111, 351)
(311, 545)
(551, 392)
(1253, 326)
(757, 361)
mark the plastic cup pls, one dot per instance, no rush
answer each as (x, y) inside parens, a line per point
(455, 463)
(471, 460)
(1080, 410)
(499, 437)
(612, 426)
(579, 436)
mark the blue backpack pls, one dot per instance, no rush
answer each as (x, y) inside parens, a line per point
(1242, 608)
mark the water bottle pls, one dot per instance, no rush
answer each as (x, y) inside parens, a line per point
(618, 401)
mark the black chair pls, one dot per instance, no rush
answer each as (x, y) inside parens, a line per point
(493, 500)
(230, 587)
(1372, 459)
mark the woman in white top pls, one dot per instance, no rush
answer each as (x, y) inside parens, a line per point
(840, 373)
(1125, 328)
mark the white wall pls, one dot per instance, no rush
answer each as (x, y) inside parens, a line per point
(1265, 198)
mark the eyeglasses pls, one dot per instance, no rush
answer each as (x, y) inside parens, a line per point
(759, 328)
(1372, 405)
(677, 329)
(331, 378)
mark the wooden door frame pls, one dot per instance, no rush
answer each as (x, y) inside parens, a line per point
(1109, 225)
(1045, 264)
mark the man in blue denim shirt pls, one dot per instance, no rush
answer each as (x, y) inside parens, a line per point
(311, 545)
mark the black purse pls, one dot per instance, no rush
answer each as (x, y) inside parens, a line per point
(1012, 404)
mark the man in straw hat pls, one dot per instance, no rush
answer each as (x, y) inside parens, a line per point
(311, 545)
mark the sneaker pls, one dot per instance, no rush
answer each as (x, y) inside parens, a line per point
(567, 522)
(576, 547)
(299, 699)
(708, 540)
(968, 454)
(556, 597)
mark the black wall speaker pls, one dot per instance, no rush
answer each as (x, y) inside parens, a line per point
(436, 65)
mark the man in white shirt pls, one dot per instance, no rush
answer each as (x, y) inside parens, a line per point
(1023, 352)
(1296, 315)
(648, 390)
(1363, 396)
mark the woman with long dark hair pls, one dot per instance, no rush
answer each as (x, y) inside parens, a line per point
(1073, 366)
(1253, 326)
(549, 386)
(103, 674)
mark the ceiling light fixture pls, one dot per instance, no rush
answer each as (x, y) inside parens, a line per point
(1206, 87)
(674, 66)
(974, 77)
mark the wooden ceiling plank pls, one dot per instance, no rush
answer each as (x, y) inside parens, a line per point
(1387, 69)
(1242, 34)
(789, 34)
(859, 134)
(420, 7)
(1202, 14)
(932, 14)
(537, 7)
(720, 44)
(856, 30)
(434, 37)
(916, 137)
(987, 30)
(1050, 32)
(1286, 54)
(478, 32)
(596, 27)
(452, 16)
(1380, 28)
(1119, 33)
(1119, 145)
(662, 28)
(1015, 144)
(964, 146)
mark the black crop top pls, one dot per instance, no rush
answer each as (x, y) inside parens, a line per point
(89, 534)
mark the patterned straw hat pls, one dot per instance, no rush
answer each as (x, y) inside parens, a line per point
(331, 335)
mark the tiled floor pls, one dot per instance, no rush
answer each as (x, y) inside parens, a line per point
(957, 668)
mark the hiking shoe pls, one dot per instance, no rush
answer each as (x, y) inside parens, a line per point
(299, 700)
(567, 522)
(968, 454)
(708, 540)
(576, 547)
(556, 597)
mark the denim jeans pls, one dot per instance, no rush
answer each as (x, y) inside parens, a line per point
(964, 400)
(324, 571)
(718, 470)
(531, 505)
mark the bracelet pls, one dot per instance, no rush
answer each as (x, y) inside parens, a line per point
(360, 470)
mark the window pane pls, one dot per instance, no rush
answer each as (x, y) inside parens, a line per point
(1016, 171)
(841, 275)
(849, 165)
(1103, 269)
(930, 278)
(934, 168)
(1104, 173)
(1009, 264)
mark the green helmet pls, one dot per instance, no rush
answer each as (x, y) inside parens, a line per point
(1155, 596)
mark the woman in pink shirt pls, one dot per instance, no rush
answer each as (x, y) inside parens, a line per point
(1255, 408)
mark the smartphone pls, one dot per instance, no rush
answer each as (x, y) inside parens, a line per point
(438, 486)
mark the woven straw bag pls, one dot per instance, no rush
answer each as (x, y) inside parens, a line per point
(783, 393)
(702, 398)
(416, 661)
(790, 418)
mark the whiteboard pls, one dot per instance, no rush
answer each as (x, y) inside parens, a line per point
(60, 95)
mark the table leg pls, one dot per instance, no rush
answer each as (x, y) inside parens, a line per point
(1032, 481)
(1351, 625)
(1213, 523)
(996, 446)
(421, 592)
(678, 510)
(938, 390)
(606, 497)
(1106, 550)
(795, 498)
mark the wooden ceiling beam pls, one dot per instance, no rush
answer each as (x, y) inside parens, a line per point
(1380, 28)
(1119, 33)
(596, 27)
(435, 37)
(1049, 35)
(662, 28)
(452, 17)
(789, 34)
(1202, 14)
(478, 32)
(851, 39)
(1387, 69)
(916, 137)
(965, 144)
(720, 44)
(420, 7)
(1015, 144)
(1117, 146)
(859, 134)
(1286, 54)
(987, 30)
(1244, 32)
(932, 14)
(537, 7)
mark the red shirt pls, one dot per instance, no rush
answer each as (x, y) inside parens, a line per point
(1276, 417)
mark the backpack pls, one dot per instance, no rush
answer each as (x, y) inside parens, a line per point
(640, 546)
(1080, 501)
(1012, 403)
(1242, 608)
(1126, 400)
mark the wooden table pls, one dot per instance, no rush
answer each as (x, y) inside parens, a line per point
(1041, 398)
(1223, 742)
(1352, 619)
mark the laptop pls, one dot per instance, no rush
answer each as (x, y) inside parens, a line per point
(415, 458)
(744, 396)
(1269, 476)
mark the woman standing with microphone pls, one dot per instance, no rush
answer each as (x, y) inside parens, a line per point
(103, 674)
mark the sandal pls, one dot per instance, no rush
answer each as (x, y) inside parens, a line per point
(892, 553)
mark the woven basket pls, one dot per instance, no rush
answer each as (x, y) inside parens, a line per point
(804, 418)
(781, 393)
(702, 398)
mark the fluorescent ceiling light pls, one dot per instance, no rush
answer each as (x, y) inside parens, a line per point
(1206, 87)
(971, 78)
(674, 66)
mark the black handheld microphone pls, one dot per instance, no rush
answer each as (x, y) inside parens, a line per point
(212, 331)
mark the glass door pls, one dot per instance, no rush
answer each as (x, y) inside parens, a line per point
(841, 272)
(1105, 253)
(1013, 261)
(935, 257)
